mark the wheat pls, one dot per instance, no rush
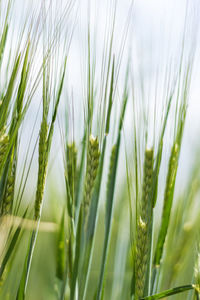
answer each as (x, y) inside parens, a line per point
(42, 161)
(91, 170)
(4, 140)
(10, 185)
(142, 226)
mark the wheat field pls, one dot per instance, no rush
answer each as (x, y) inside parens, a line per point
(99, 150)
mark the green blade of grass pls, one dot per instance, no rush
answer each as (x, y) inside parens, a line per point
(23, 82)
(173, 165)
(9, 92)
(171, 178)
(110, 198)
(160, 151)
(80, 180)
(77, 256)
(26, 270)
(170, 292)
(49, 140)
(3, 42)
(91, 225)
(168, 199)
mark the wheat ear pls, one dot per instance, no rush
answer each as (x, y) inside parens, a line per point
(10, 186)
(4, 140)
(142, 226)
(91, 170)
(42, 161)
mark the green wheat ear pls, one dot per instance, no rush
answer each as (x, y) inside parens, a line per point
(10, 186)
(91, 170)
(42, 167)
(143, 226)
(4, 140)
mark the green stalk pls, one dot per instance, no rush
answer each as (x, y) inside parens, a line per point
(77, 256)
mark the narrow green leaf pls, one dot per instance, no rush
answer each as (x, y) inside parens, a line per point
(26, 270)
(49, 140)
(170, 292)
(77, 256)
(91, 225)
(110, 99)
(9, 92)
(169, 192)
(23, 81)
(80, 181)
(160, 150)
(110, 198)
(3, 42)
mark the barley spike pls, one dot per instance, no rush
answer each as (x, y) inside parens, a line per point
(4, 139)
(91, 170)
(10, 185)
(42, 167)
(142, 226)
